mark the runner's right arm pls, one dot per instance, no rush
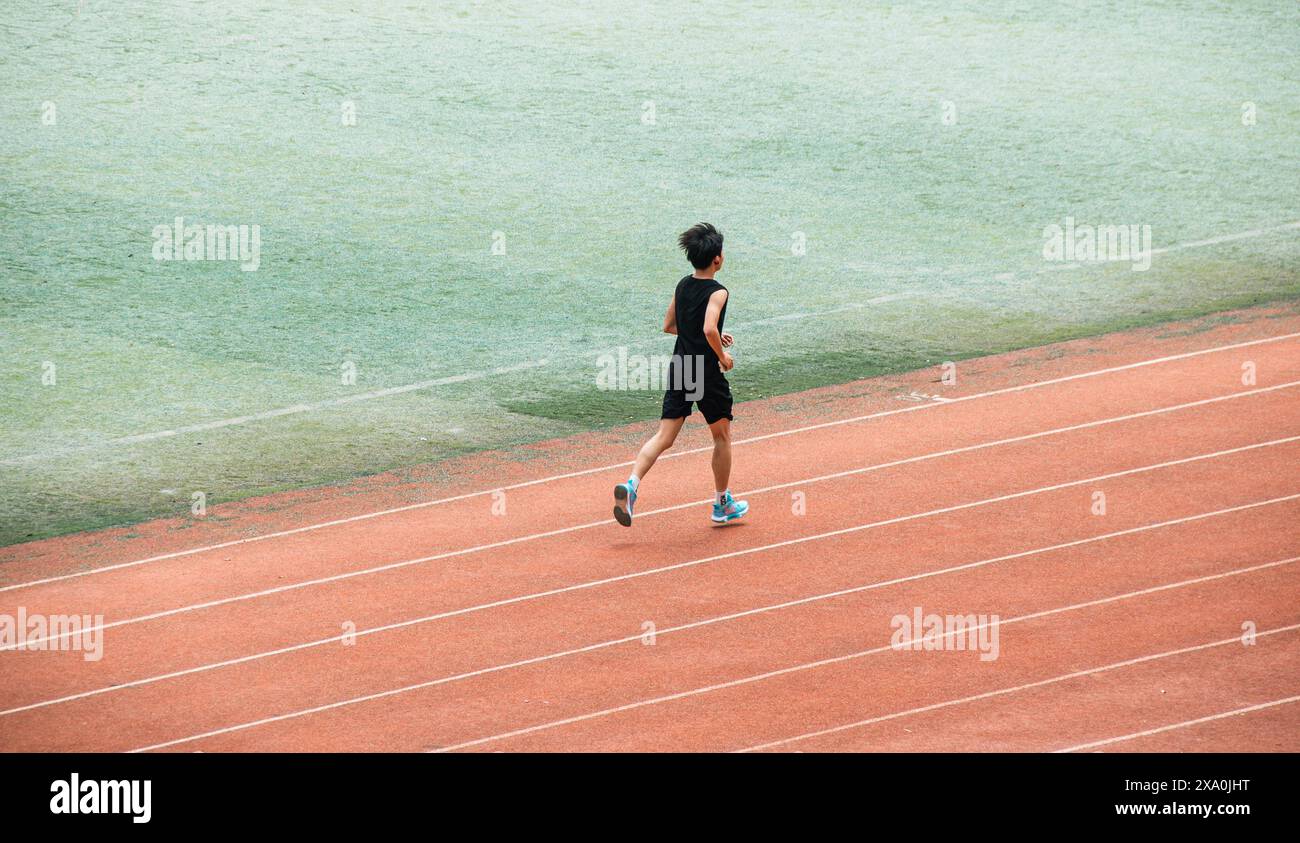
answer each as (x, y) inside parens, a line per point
(670, 318)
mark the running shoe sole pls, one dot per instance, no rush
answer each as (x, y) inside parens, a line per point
(621, 514)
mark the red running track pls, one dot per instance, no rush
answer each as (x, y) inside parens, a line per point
(1167, 621)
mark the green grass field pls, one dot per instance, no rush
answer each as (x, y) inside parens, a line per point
(920, 149)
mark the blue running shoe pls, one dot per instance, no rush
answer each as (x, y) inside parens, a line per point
(729, 510)
(624, 498)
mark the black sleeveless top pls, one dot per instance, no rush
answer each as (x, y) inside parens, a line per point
(692, 302)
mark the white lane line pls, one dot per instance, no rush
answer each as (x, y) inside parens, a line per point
(858, 724)
(694, 624)
(391, 566)
(276, 413)
(551, 656)
(747, 680)
(669, 455)
(1172, 726)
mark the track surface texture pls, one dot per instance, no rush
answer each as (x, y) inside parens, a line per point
(1117, 520)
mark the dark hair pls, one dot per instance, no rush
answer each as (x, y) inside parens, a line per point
(701, 243)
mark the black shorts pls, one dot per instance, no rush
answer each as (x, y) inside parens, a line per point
(714, 401)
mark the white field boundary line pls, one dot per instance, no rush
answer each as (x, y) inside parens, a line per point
(1226, 238)
(692, 625)
(271, 414)
(1236, 712)
(668, 455)
(1078, 674)
(328, 403)
(851, 656)
(1191, 244)
(531, 364)
(794, 317)
(392, 566)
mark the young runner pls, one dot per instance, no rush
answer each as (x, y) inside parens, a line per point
(695, 314)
